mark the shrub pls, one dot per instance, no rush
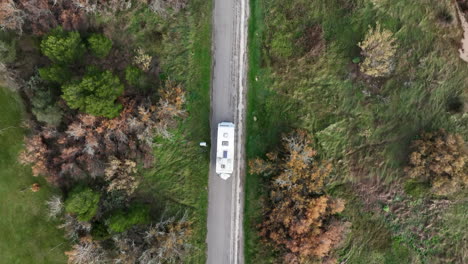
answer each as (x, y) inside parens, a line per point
(54, 206)
(142, 60)
(63, 47)
(133, 75)
(55, 73)
(99, 45)
(122, 220)
(440, 158)
(82, 202)
(379, 51)
(95, 94)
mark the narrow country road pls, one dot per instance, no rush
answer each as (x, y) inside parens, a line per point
(228, 101)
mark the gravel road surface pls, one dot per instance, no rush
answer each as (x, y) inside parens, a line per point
(228, 91)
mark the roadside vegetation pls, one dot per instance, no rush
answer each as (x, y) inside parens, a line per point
(116, 97)
(381, 90)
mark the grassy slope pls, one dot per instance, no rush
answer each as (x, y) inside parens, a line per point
(321, 92)
(26, 235)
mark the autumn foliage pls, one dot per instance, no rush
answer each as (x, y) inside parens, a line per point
(89, 143)
(440, 158)
(299, 217)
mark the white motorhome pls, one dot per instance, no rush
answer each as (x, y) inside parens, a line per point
(225, 150)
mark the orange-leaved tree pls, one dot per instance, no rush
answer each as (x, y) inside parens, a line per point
(299, 217)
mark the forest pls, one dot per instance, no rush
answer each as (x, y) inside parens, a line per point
(357, 130)
(103, 104)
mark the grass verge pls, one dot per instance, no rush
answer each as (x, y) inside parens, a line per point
(267, 118)
(179, 179)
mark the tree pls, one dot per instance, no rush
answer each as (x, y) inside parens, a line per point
(43, 102)
(299, 215)
(99, 45)
(82, 202)
(55, 73)
(122, 220)
(45, 108)
(95, 94)
(379, 50)
(441, 159)
(63, 47)
(167, 242)
(87, 251)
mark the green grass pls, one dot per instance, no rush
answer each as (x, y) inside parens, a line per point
(370, 239)
(178, 182)
(363, 127)
(26, 234)
(266, 107)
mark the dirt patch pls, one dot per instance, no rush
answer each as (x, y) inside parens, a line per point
(312, 41)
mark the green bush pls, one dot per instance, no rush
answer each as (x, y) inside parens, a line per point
(63, 47)
(82, 202)
(122, 220)
(95, 94)
(133, 75)
(55, 73)
(99, 45)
